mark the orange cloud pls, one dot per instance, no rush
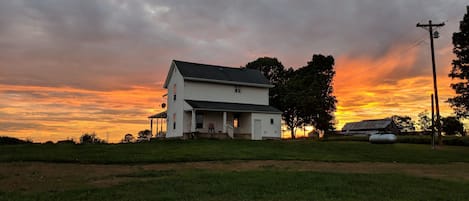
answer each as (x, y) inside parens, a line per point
(56, 113)
(369, 88)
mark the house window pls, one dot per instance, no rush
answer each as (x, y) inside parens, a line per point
(237, 89)
(174, 92)
(272, 121)
(199, 120)
(236, 120)
(174, 121)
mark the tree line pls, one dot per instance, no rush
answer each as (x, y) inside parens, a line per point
(450, 125)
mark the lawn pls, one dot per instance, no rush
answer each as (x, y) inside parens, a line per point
(260, 185)
(234, 170)
(216, 150)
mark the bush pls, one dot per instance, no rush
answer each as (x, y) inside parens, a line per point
(12, 140)
(411, 139)
(347, 138)
(459, 141)
(65, 142)
(414, 139)
(91, 138)
(447, 140)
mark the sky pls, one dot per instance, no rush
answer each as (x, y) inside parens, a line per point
(71, 67)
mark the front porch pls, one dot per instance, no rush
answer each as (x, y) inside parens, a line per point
(205, 124)
(218, 136)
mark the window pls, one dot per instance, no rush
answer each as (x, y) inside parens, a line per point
(236, 120)
(199, 120)
(272, 121)
(174, 92)
(174, 121)
(237, 89)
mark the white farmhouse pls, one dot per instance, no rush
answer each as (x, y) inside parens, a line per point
(219, 102)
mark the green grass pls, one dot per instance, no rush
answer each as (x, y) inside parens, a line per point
(262, 185)
(214, 150)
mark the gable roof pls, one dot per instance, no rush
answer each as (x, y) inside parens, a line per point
(232, 107)
(374, 124)
(218, 74)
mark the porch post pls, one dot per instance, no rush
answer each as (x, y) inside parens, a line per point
(224, 122)
(193, 121)
(156, 134)
(151, 126)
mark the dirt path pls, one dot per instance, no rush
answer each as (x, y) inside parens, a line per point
(36, 176)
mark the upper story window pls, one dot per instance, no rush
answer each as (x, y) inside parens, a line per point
(174, 92)
(237, 89)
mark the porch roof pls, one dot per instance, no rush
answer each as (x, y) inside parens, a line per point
(160, 115)
(231, 107)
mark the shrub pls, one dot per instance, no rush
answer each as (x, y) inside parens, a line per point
(12, 140)
(91, 138)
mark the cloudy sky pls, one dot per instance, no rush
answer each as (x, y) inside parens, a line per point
(68, 67)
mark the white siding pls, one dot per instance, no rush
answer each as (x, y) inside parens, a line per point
(175, 106)
(225, 93)
(267, 129)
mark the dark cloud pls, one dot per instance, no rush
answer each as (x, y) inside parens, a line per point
(108, 44)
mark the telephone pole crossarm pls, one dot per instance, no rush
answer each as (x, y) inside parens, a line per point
(433, 25)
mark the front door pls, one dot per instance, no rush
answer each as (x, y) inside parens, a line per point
(257, 135)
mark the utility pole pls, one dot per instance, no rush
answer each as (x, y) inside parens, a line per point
(433, 124)
(435, 88)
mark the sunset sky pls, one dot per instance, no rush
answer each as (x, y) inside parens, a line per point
(69, 67)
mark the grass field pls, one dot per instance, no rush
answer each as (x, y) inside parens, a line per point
(234, 170)
(216, 150)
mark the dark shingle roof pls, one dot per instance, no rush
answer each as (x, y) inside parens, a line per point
(205, 72)
(375, 124)
(231, 107)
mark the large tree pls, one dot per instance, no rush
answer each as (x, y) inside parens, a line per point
(292, 99)
(425, 122)
(277, 75)
(460, 71)
(452, 126)
(315, 93)
(404, 123)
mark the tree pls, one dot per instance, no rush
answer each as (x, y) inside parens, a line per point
(460, 70)
(404, 123)
(277, 75)
(144, 135)
(452, 126)
(128, 138)
(91, 138)
(292, 111)
(316, 100)
(270, 67)
(425, 122)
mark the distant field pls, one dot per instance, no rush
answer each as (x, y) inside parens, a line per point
(215, 150)
(234, 170)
